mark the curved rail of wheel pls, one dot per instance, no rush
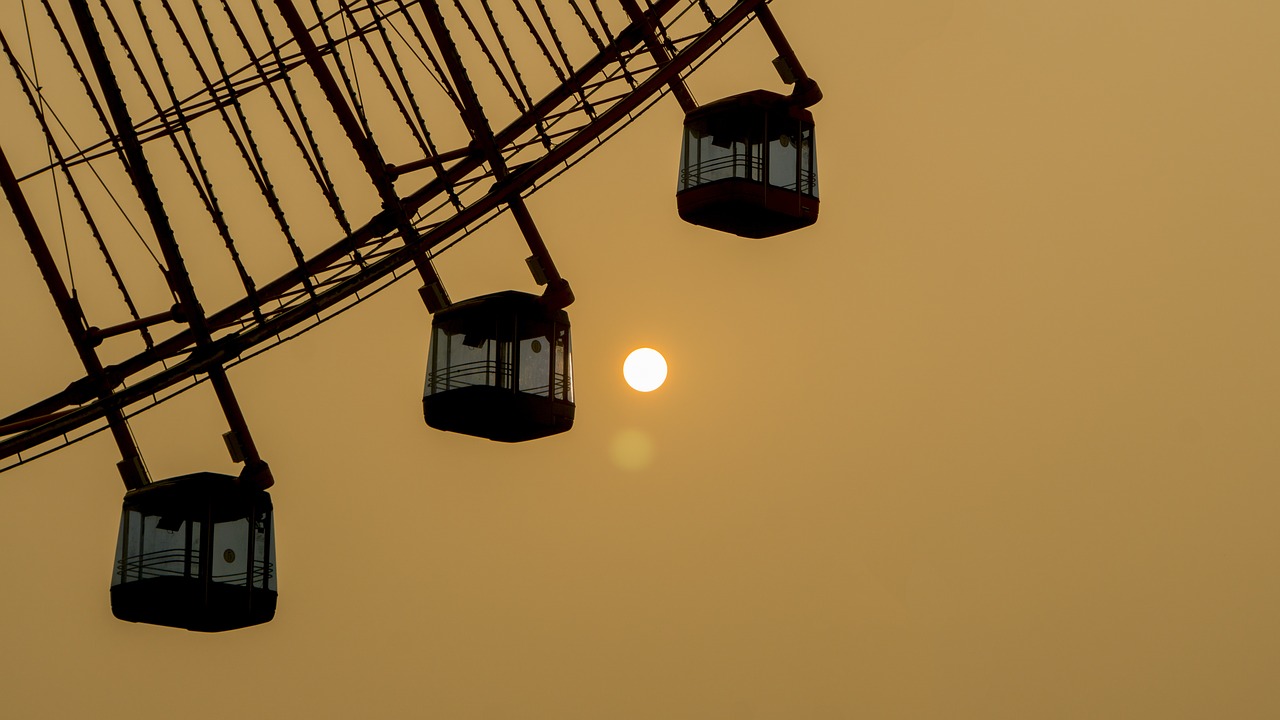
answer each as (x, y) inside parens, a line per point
(600, 98)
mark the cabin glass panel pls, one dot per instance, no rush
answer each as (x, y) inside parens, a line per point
(750, 144)
(716, 151)
(539, 363)
(154, 546)
(563, 377)
(793, 157)
(808, 162)
(784, 157)
(243, 553)
(535, 366)
(461, 359)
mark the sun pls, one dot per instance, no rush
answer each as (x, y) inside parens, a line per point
(645, 369)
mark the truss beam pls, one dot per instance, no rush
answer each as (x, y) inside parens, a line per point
(237, 332)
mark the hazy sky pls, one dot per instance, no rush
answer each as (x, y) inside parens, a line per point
(995, 439)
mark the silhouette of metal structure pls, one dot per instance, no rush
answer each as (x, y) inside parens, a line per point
(232, 173)
(448, 126)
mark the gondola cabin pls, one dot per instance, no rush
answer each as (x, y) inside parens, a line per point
(195, 552)
(501, 368)
(748, 166)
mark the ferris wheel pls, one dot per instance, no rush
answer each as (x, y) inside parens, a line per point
(199, 181)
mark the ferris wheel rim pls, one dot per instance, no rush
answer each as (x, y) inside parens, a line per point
(238, 347)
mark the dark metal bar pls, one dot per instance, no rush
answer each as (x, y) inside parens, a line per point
(179, 280)
(311, 151)
(73, 318)
(557, 287)
(37, 107)
(97, 335)
(806, 92)
(194, 163)
(231, 346)
(431, 150)
(364, 145)
(410, 112)
(472, 111)
(431, 162)
(659, 53)
(248, 145)
(627, 40)
(20, 425)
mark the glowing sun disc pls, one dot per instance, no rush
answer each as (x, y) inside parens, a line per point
(645, 369)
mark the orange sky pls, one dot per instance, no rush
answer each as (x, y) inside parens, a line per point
(995, 439)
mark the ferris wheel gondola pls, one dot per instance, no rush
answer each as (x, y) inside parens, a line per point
(403, 127)
(749, 163)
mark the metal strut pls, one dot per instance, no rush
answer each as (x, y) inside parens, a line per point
(58, 421)
(806, 92)
(256, 470)
(558, 292)
(433, 292)
(659, 53)
(131, 468)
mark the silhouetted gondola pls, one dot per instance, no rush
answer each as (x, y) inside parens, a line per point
(748, 166)
(195, 552)
(500, 368)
